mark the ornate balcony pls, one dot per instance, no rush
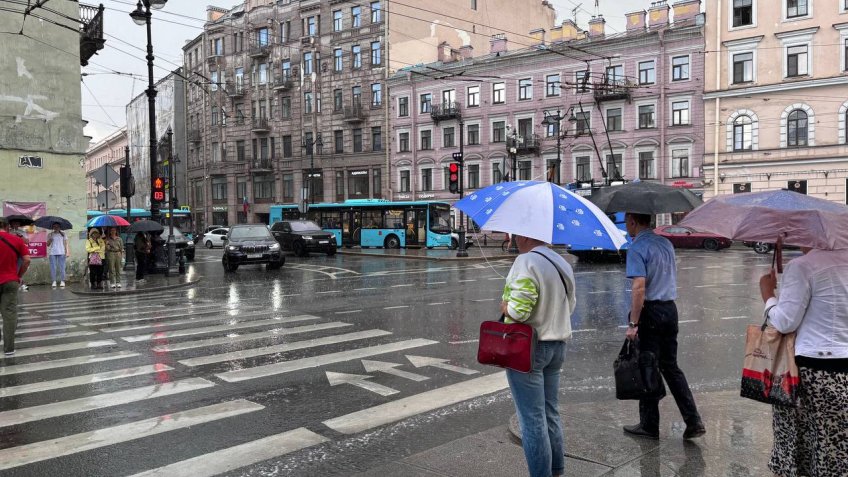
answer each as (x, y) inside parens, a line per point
(194, 135)
(259, 51)
(611, 90)
(283, 83)
(235, 90)
(91, 33)
(525, 144)
(445, 111)
(353, 114)
(260, 165)
(260, 125)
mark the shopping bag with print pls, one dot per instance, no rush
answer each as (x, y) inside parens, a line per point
(770, 374)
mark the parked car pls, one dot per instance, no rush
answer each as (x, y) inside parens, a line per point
(215, 238)
(687, 237)
(455, 241)
(303, 236)
(183, 243)
(251, 244)
(765, 247)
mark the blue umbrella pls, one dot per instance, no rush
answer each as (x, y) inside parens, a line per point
(47, 222)
(544, 211)
(107, 221)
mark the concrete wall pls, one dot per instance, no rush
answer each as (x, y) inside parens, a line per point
(40, 115)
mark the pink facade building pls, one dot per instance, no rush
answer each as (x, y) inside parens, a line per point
(110, 150)
(631, 107)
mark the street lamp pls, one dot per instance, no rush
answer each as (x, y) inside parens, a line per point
(141, 16)
(556, 119)
(309, 144)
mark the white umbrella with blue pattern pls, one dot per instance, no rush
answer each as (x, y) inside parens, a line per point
(544, 211)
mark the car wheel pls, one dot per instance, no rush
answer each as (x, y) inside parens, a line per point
(454, 244)
(392, 242)
(331, 252)
(299, 249)
(711, 244)
(762, 248)
(209, 244)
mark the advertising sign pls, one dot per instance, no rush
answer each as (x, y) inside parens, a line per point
(37, 237)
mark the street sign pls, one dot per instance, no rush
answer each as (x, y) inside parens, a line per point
(159, 189)
(359, 380)
(105, 175)
(421, 361)
(303, 207)
(389, 368)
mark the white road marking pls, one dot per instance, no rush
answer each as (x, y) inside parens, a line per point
(735, 317)
(98, 310)
(247, 337)
(463, 342)
(687, 268)
(225, 460)
(212, 329)
(422, 361)
(705, 286)
(63, 363)
(469, 280)
(80, 380)
(57, 336)
(599, 291)
(281, 348)
(497, 278)
(439, 303)
(689, 321)
(713, 266)
(149, 315)
(584, 330)
(361, 381)
(395, 307)
(45, 328)
(328, 291)
(366, 288)
(420, 403)
(12, 457)
(347, 312)
(483, 299)
(102, 322)
(320, 360)
(27, 323)
(403, 285)
(190, 321)
(435, 283)
(63, 347)
(100, 401)
(389, 368)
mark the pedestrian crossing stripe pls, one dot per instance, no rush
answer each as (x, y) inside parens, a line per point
(159, 311)
(72, 334)
(167, 322)
(63, 363)
(43, 329)
(212, 329)
(202, 343)
(144, 317)
(104, 300)
(62, 347)
(81, 380)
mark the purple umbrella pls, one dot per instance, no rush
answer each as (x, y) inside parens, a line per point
(799, 219)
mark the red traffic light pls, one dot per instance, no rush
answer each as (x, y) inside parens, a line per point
(453, 177)
(453, 168)
(158, 189)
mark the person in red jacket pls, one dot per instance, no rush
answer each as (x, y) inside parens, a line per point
(12, 249)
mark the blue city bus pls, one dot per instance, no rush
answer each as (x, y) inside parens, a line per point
(585, 189)
(377, 222)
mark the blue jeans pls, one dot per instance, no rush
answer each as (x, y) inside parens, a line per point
(57, 267)
(536, 397)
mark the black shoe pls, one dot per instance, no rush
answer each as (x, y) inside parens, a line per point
(695, 430)
(638, 430)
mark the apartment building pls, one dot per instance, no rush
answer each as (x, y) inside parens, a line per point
(620, 106)
(776, 96)
(288, 98)
(108, 151)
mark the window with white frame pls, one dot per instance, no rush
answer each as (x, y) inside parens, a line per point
(680, 163)
(743, 67)
(743, 133)
(797, 8)
(356, 16)
(797, 60)
(473, 96)
(614, 122)
(581, 81)
(426, 139)
(499, 131)
(743, 13)
(647, 72)
(473, 134)
(583, 168)
(356, 56)
(797, 130)
(679, 113)
(376, 54)
(646, 116)
(448, 137)
(646, 165)
(376, 95)
(404, 181)
(614, 170)
(403, 107)
(550, 129)
(337, 20)
(337, 60)
(448, 98)
(552, 85)
(497, 173)
(473, 176)
(615, 74)
(403, 142)
(376, 12)
(426, 102)
(680, 68)
(498, 93)
(427, 179)
(583, 123)
(525, 89)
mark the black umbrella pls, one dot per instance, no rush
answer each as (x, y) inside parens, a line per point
(23, 219)
(645, 198)
(47, 222)
(146, 226)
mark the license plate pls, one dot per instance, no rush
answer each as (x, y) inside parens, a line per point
(254, 255)
(323, 241)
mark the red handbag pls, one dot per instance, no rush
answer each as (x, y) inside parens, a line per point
(507, 345)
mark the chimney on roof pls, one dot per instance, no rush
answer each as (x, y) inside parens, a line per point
(570, 30)
(597, 27)
(636, 20)
(445, 52)
(686, 9)
(538, 36)
(466, 51)
(498, 43)
(658, 14)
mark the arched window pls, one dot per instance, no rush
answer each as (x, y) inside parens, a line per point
(796, 128)
(743, 137)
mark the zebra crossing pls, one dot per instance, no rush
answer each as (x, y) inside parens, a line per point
(161, 369)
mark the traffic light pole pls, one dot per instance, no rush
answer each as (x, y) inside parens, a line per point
(460, 249)
(129, 247)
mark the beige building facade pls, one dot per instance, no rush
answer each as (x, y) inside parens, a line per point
(776, 97)
(108, 151)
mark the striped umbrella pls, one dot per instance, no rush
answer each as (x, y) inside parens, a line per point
(107, 221)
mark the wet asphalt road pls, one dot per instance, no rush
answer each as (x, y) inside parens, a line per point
(177, 381)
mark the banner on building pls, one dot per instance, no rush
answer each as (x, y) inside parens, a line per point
(37, 237)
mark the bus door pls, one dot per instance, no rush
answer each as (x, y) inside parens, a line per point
(416, 227)
(351, 224)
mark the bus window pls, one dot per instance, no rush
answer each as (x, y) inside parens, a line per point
(372, 219)
(393, 219)
(440, 219)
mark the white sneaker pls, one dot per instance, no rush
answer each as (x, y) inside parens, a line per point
(9, 354)
(114, 285)
(24, 287)
(54, 284)
(119, 285)
(61, 284)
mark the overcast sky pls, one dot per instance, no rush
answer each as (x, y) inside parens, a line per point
(119, 72)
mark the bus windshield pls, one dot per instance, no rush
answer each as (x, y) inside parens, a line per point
(440, 218)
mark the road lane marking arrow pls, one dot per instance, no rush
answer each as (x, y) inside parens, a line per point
(421, 361)
(359, 380)
(389, 368)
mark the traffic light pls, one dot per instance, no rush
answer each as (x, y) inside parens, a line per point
(127, 182)
(453, 177)
(457, 156)
(158, 190)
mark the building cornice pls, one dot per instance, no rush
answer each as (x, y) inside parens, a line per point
(778, 87)
(743, 41)
(796, 33)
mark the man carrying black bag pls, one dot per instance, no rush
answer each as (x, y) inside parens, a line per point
(653, 318)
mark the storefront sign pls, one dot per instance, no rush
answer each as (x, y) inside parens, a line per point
(402, 196)
(219, 208)
(426, 196)
(359, 173)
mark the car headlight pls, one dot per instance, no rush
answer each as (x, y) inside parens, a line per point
(190, 244)
(274, 247)
(232, 248)
(307, 237)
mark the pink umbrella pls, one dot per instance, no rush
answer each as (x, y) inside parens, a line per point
(798, 219)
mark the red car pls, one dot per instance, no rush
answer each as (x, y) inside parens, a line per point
(685, 237)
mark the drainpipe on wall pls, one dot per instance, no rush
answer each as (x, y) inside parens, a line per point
(716, 126)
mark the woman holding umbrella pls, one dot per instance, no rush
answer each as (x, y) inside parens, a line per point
(96, 249)
(58, 248)
(114, 257)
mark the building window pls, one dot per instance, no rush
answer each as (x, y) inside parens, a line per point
(583, 123)
(680, 68)
(311, 26)
(552, 85)
(474, 176)
(551, 129)
(499, 131)
(376, 12)
(338, 100)
(376, 54)
(356, 16)
(308, 143)
(679, 113)
(614, 119)
(376, 184)
(240, 157)
(307, 102)
(340, 189)
(403, 107)
(525, 89)
(219, 189)
(525, 170)
(473, 134)
(214, 115)
(285, 106)
(473, 96)
(426, 102)
(338, 141)
(646, 116)
(307, 63)
(614, 166)
(448, 137)
(263, 187)
(797, 128)
(288, 187)
(356, 57)
(796, 8)
(337, 20)
(583, 171)
(285, 31)
(615, 74)
(376, 138)
(214, 82)
(497, 173)
(743, 13)
(474, 4)
(426, 140)
(796, 60)
(845, 51)
(647, 72)
(218, 46)
(286, 70)
(356, 96)
(646, 165)
(581, 81)
(498, 93)
(337, 60)
(743, 67)
(679, 163)
(427, 179)
(743, 133)
(376, 95)
(404, 181)
(287, 146)
(357, 140)
(403, 142)
(448, 98)
(262, 37)
(263, 73)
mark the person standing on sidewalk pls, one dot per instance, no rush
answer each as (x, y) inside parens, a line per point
(58, 249)
(142, 247)
(114, 258)
(539, 291)
(653, 320)
(12, 251)
(15, 229)
(96, 249)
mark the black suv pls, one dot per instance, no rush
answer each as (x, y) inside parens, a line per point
(249, 244)
(303, 236)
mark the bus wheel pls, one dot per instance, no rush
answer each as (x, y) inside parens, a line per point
(392, 242)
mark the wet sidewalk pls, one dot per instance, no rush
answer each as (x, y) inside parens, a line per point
(737, 444)
(474, 253)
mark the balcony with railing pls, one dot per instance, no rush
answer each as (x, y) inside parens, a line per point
(260, 125)
(235, 90)
(91, 33)
(611, 89)
(530, 143)
(353, 114)
(283, 83)
(445, 111)
(259, 50)
(263, 164)
(193, 135)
